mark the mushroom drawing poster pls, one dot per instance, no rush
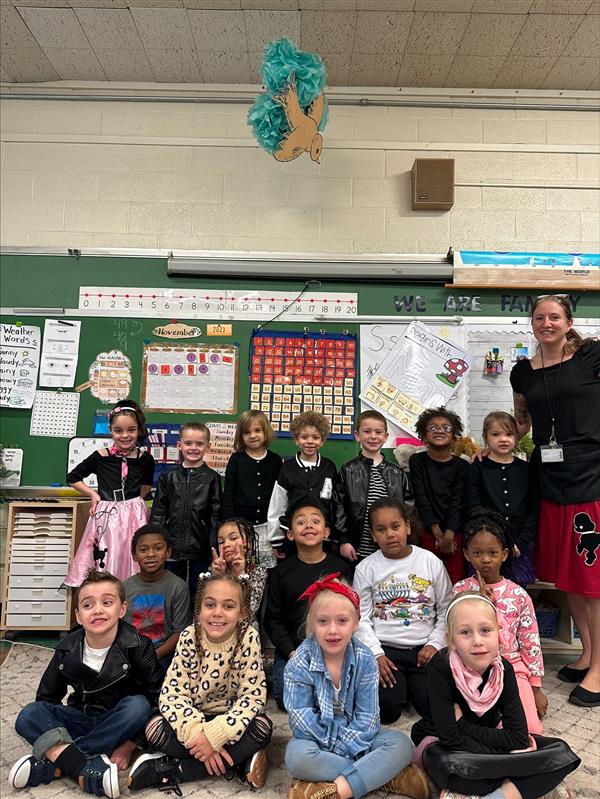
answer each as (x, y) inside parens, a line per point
(421, 371)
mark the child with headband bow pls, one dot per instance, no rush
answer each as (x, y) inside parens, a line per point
(125, 471)
(473, 741)
(338, 750)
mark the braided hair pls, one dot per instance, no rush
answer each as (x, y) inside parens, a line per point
(204, 580)
(248, 533)
(484, 520)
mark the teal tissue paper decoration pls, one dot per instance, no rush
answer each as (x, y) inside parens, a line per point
(274, 117)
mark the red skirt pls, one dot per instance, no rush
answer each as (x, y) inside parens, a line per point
(568, 547)
(455, 564)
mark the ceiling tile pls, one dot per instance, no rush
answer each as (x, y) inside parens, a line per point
(263, 27)
(75, 63)
(164, 28)
(436, 33)
(523, 72)
(327, 31)
(382, 31)
(594, 84)
(338, 68)
(572, 73)
(271, 5)
(125, 65)
(225, 67)
(155, 3)
(447, 6)
(424, 70)
(4, 76)
(175, 66)
(374, 69)
(493, 34)
(221, 5)
(332, 5)
(38, 3)
(559, 7)
(474, 72)
(586, 39)
(545, 35)
(29, 65)
(109, 29)
(55, 27)
(88, 3)
(501, 6)
(385, 5)
(219, 30)
(594, 7)
(14, 33)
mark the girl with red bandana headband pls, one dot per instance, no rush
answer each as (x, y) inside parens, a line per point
(338, 750)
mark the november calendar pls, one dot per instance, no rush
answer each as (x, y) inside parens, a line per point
(295, 372)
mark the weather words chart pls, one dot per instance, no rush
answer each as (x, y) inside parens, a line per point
(295, 372)
(421, 371)
(252, 304)
(197, 378)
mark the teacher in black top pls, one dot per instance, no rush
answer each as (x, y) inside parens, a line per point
(558, 392)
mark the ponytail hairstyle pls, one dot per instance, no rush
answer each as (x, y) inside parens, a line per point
(129, 407)
(484, 520)
(204, 580)
(248, 533)
(574, 339)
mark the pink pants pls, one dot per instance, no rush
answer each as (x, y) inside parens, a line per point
(534, 725)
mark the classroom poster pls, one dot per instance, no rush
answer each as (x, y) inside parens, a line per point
(110, 376)
(422, 371)
(222, 435)
(11, 461)
(194, 378)
(295, 372)
(19, 362)
(60, 349)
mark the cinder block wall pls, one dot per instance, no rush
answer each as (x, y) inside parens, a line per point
(185, 176)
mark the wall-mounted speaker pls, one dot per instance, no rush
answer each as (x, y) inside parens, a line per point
(432, 184)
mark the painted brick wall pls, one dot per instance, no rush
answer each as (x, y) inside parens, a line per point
(185, 176)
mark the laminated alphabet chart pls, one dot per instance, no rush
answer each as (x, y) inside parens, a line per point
(19, 361)
(229, 304)
(54, 414)
(421, 371)
(295, 372)
(194, 378)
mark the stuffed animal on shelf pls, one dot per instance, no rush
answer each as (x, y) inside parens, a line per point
(466, 447)
(403, 452)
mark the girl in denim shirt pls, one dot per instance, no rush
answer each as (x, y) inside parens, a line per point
(331, 683)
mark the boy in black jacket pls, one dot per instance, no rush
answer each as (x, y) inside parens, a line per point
(188, 504)
(359, 483)
(285, 615)
(116, 679)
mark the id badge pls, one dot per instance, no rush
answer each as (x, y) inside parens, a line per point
(552, 453)
(119, 494)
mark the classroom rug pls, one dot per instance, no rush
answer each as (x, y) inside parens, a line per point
(21, 672)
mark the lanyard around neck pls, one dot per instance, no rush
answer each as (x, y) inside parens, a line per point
(551, 405)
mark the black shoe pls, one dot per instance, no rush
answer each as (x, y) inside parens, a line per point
(100, 777)
(569, 674)
(584, 698)
(28, 772)
(154, 771)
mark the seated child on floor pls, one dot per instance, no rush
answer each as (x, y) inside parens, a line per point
(486, 548)
(158, 601)
(473, 741)
(338, 749)
(404, 591)
(115, 676)
(237, 554)
(213, 698)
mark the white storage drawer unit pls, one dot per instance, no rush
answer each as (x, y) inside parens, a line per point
(42, 538)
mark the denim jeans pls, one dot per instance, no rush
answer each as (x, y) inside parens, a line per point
(390, 752)
(45, 724)
(278, 668)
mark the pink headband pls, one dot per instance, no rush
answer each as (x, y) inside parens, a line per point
(329, 583)
(120, 409)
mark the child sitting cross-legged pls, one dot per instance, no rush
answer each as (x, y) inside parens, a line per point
(115, 677)
(213, 697)
(338, 749)
(158, 601)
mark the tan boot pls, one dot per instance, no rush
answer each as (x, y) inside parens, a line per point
(257, 769)
(410, 782)
(301, 789)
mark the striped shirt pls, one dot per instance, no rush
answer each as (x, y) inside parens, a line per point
(377, 489)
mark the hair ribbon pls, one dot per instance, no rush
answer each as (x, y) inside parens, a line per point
(330, 583)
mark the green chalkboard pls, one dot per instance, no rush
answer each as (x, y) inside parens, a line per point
(48, 281)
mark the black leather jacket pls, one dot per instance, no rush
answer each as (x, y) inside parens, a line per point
(350, 495)
(131, 668)
(188, 504)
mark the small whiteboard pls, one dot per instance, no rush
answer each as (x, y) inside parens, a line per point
(80, 449)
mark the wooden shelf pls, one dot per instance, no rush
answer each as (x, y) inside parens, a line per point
(526, 287)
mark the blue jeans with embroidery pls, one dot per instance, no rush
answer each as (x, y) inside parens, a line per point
(390, 752)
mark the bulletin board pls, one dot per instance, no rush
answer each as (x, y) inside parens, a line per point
(54, 281)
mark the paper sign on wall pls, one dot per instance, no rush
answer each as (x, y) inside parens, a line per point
(19, 360)
(422, 371)
(110, 376)
(59, 353)
(12, 461)
(222, 435)
(54, 414)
